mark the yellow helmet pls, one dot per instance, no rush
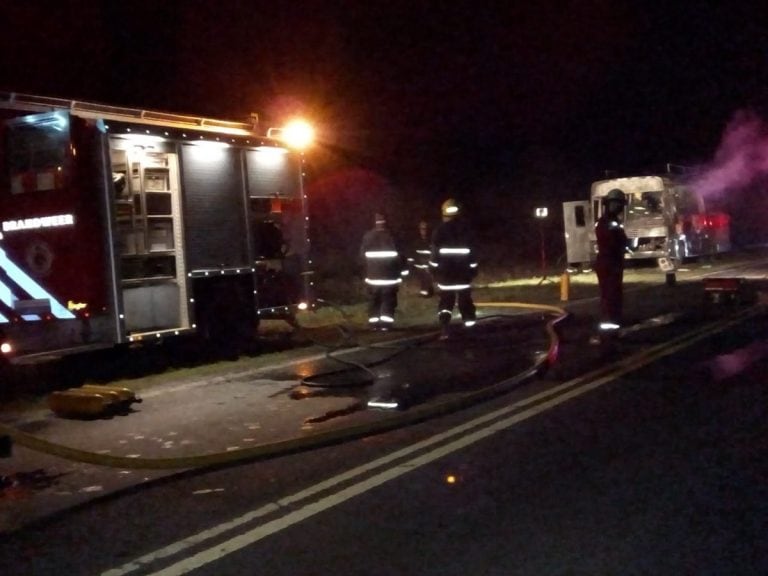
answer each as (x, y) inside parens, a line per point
(450, 208)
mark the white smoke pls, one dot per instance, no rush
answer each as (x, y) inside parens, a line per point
(740, 160)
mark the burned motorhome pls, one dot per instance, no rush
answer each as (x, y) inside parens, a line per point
(663, 219)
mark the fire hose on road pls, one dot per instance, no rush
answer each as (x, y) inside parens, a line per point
(388, 421)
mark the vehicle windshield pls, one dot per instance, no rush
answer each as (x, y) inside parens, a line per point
(36, 152)
(645, 203)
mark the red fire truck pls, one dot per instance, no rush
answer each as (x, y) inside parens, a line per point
(120, 225)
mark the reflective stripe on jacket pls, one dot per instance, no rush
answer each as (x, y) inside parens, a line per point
(453, 258)
(384, 265)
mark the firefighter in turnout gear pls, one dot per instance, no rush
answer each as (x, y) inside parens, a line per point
(385, 268)
(420, 261)
(454, 266)
(611, 246)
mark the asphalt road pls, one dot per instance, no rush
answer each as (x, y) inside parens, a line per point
(656, 465)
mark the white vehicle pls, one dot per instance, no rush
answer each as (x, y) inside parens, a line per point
(663, 219)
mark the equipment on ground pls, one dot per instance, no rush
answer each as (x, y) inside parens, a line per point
(92, 401)
(719, 289)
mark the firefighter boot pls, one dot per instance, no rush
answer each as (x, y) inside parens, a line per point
(444, 317)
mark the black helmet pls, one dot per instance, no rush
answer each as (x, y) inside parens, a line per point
(616, 195)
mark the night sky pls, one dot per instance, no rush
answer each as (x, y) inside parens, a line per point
(501, 104)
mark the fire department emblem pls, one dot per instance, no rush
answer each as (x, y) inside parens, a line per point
(39, 258)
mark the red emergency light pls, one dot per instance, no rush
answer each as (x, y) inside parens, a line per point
(718, 221)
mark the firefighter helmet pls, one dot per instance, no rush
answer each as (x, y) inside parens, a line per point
(617, 195)
(450, 208)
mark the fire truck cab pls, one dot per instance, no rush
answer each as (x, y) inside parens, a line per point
(120, 226)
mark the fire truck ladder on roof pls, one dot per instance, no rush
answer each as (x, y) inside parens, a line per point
(33, 103)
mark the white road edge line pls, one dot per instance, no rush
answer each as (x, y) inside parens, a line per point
(334, 499)
(260, 532)
(200, 537)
